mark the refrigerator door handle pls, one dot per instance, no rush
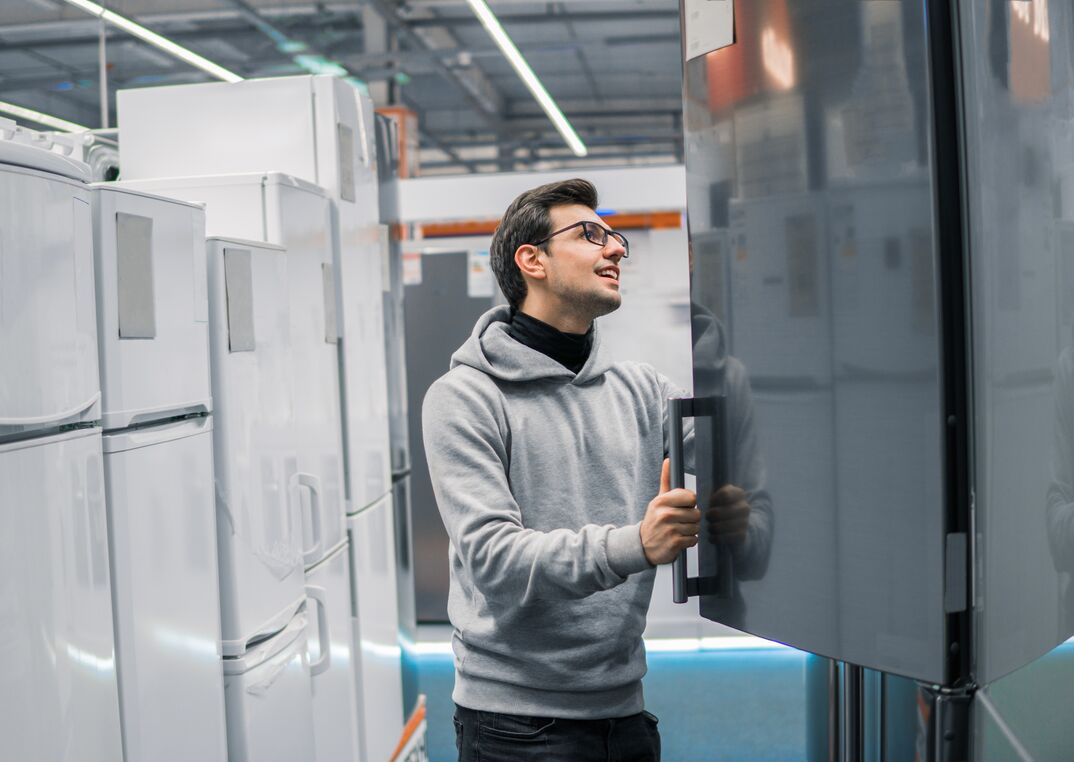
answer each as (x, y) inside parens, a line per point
(676, 410)
(318, 595)
(52, 417)
(313, 484)
(712, 408)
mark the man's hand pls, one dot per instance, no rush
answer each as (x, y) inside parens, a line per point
(728, 516)
(671, 521)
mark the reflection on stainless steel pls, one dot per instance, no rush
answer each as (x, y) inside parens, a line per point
(831, 189)
(1060, 499)
(1017, 73)
(730, 468)
(1016, 746)
(811, 212)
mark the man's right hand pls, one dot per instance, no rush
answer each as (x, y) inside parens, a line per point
(671, 521)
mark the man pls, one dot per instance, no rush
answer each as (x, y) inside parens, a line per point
(545, 458)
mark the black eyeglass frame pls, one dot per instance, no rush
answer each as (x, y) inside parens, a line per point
(584, 224)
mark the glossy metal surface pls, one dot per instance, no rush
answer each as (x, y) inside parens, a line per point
(147, 379)
(815, 313)
(162, 542)
(376, 633)
(283, 210)
(57, 664)
(269, 704)
(256, 462)
(48, 328)
(321, 132)
(335, 701)
(1017, 60)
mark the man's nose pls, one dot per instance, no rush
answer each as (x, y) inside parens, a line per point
(614, 250)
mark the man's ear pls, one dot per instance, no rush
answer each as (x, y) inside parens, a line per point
(528, 259)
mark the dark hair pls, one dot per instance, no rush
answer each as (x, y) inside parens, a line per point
(526, 220)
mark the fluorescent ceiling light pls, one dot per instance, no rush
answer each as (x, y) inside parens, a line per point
(156, 40)
(496, 30)
(37, 117)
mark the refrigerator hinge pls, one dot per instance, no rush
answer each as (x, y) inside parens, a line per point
(956, 550)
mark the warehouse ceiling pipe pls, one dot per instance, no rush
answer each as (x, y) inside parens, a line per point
(20, 112)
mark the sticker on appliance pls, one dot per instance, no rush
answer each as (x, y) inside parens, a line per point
(709, 24)
(479, 275)
(412, 268)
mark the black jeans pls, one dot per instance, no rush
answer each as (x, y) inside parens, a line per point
(492, 737)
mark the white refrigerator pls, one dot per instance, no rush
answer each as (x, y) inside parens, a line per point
(259, 510)
(152, 320)
(58, 666)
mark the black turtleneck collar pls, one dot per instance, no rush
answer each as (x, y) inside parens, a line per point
(568, 349)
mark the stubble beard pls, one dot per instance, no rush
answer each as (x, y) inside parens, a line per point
(590, 305)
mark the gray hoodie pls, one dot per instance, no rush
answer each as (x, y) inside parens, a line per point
(542, 478)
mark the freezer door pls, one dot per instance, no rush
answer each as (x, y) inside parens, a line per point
(1016, 64)
(162, 542)
(330, 641)
(48, 327)
(376, 629)
(269, 704)
(57, 667)
(816, 329)
(258, 500)
(152, 307)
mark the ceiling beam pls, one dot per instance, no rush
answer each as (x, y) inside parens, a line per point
(530, 19)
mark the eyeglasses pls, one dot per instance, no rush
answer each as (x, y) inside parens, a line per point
(595, 233)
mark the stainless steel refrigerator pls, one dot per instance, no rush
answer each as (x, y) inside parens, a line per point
(880, 205)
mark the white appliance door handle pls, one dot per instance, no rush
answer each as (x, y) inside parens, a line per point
(319, 596)
(54, 417)
(313, 484)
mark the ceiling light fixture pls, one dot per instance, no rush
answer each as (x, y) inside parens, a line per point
(20, 112)
(507, 46)
(156, 40)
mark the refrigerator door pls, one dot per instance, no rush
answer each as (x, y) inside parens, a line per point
(823, 352)
(57, 667)
(269, 705)
(361, 263)
(283, 210)
(152, 307)
(48, 327)
(330, 642)
(256, 461)
(165, 591)
(376, 631)
(1016, 68)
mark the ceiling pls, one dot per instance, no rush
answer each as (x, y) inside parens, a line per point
(613, 66)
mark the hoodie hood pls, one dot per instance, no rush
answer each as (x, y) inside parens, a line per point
(491, 350)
